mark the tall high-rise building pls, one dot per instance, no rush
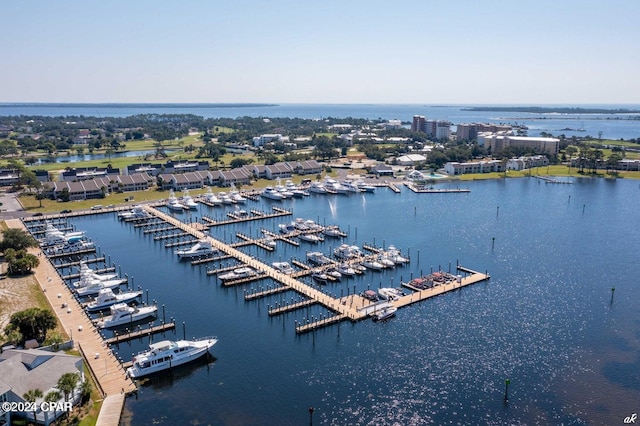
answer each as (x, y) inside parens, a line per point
(418, 123)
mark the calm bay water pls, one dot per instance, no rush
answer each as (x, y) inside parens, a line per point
(611, 126)
(545, 320)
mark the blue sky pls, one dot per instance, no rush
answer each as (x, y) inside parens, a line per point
(413, 51)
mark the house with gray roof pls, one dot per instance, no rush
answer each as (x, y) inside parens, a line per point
(239, 176)
(22, 370)
(278, 171)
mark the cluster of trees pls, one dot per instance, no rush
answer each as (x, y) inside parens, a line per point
(32, 323)
(14, 244)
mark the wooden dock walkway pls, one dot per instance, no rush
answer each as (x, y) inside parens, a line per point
(268, 292)
(352, 310)
(290, 307)
(118, 338)
(429, 190)
(256, 215)
(103, 365)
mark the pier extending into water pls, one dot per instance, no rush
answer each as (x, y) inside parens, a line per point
(353, 307)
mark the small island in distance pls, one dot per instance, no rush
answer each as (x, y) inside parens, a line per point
(558, 110)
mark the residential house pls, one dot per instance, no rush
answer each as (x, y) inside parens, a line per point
(86, 173)
(278, 171)
(307, 167)
(22, 370)
(238, 176)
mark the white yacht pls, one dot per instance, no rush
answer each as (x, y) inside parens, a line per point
(201, 248)
(282, 190)
(345, 269)
(345, 251)
(136, 212)
(373, 264)
(317, 188)
(333, 186)
(173, 203)
(311, 238)
(52, 233)
(106, 297)
(365, 187)
(385, 261)
(283, 267)
(85, 271)
(333, 231)
(317, 258)
(237, 274)
(236, 197)
(121, 314)
(294, 189)
(168, 354)
(390, 293)
(88, 286)
(187, 200)
(333, 272)
(394, 254)
(270, 193)
(226, 199)
(351, 186)
(212, 198)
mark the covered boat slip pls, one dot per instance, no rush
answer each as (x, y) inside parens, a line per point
(353, 307)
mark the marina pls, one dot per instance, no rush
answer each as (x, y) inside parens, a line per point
(331, 326)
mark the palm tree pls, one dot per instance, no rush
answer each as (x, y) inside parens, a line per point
(67, 383)
(53, 396)
(31, 396)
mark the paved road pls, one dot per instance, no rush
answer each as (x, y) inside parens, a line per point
(11, 208)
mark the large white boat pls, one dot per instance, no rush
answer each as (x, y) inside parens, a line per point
(235, 196)
(226, 199)
(394, 254)
(187, 200)
(237, 274)
(317, 188)
(351, 186)
(333, 231)
(345, 251)
(317, 258)
(168, 354)
(201, 248)
(373, 264)
(365, 187)
(88, 286)
(345, 269)
(283, 267)
(173, 203)
(136, 212)
(53, 235)
(390, 293)
(106, 297)
(121, 314)
(212, 198)
(311, 238)
(333, 186)
(270, 193)
(85, 271)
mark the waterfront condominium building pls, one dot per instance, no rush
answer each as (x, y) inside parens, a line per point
(495, 143)
(470, 131)
(438, 129)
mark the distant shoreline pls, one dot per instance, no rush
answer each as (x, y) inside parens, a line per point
(136, 104)
(550, 110)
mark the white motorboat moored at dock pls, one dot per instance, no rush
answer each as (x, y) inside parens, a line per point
(168, 354)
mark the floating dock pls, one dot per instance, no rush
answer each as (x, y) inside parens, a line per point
(353, 310)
